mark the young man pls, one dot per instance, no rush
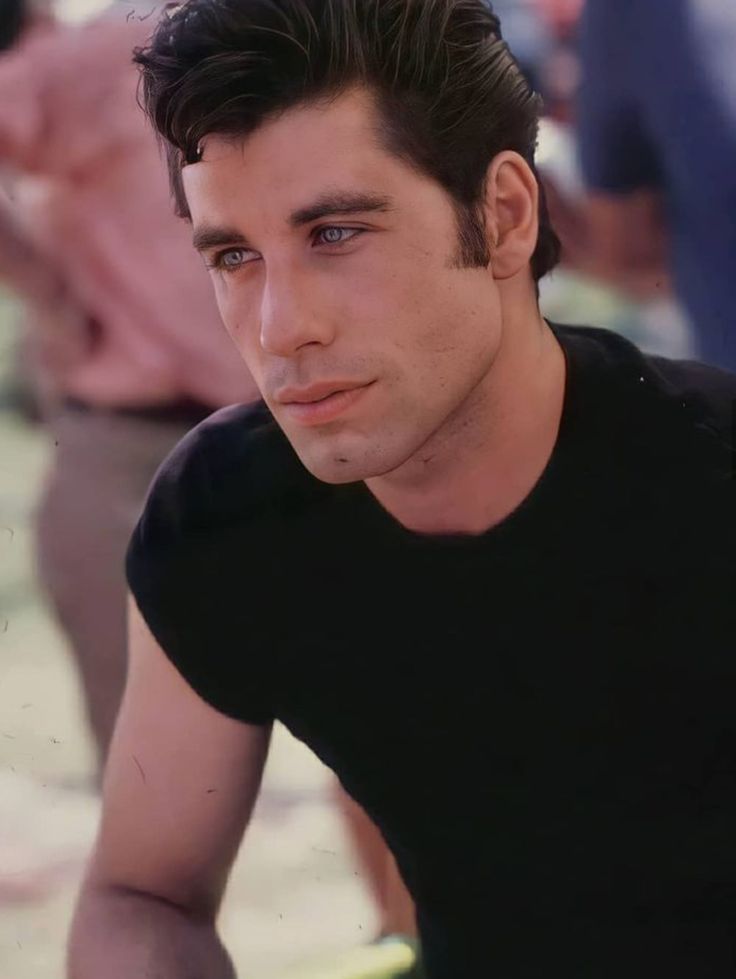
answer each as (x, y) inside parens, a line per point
(480, 564)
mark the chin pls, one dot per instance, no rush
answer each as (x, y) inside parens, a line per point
(338, 465)
(336, 470)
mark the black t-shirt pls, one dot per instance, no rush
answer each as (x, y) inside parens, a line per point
(542, 718)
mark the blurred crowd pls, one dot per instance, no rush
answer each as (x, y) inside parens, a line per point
(122, 350)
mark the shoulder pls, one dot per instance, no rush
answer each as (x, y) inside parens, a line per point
(233, 468)
(708, 393)
(201, 563)
(712, 387)
(668, 405)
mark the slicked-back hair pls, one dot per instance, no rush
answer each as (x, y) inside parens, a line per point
(449, 93)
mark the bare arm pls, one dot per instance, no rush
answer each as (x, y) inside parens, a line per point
(180, 786)
(22, 267)
(619, 239)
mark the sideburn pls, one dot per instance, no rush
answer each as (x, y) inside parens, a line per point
(473, 251)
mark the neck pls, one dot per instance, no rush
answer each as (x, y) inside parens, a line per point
(488, 456)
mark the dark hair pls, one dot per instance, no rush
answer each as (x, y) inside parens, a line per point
(13, 16)
(450, 94)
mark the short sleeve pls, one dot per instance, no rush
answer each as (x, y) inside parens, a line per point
(616, 151)
(192, 571)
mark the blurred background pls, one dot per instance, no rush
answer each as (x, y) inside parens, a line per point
(296, 891)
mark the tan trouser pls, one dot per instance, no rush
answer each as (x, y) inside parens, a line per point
(102, 466)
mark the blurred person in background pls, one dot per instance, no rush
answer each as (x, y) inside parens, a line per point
(124, 343)
(558, 73)
(656, 120)
(527, 32)
(542, 37)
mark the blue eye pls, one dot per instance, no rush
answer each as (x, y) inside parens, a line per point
(336, 236)
(232, 259)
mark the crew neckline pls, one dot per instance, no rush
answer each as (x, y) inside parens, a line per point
(551, 478)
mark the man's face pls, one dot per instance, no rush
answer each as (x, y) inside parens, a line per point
(335, 269)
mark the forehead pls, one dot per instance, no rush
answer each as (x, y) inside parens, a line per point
(295, 157)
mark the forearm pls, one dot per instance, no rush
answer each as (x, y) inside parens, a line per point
(642, 282)
(619, 240)
(22, 267)
(118, 935)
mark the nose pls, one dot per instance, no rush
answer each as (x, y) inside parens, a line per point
(294, 314)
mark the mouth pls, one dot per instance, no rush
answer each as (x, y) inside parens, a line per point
(317, 406)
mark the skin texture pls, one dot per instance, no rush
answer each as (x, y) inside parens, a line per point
(180, 784)
(460, 365)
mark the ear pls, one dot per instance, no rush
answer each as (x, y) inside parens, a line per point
(511, 211)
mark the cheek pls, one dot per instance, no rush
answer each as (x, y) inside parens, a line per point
(387, 299)
(237, 309)
(239, 315)
(450, 333)
(431, 315)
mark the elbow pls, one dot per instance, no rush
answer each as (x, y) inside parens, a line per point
(199, 904)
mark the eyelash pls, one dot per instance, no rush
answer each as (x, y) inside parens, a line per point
(217, 263)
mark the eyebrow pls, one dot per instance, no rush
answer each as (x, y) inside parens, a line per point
(339, 203)
(208, 236)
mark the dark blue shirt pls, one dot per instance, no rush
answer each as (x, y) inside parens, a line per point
(658, 109)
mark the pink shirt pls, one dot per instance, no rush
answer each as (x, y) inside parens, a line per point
(102, 213)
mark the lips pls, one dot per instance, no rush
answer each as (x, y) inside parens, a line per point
(321, 403)
(315, 392)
